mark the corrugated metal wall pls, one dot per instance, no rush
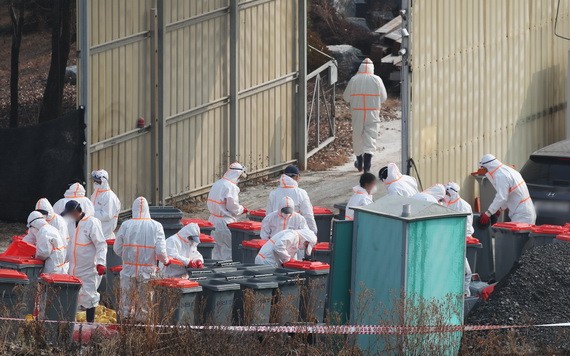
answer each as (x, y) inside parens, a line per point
(488, 76)
(194, 69)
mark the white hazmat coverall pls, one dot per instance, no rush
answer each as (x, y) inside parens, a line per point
(50, 247)
(400, 184)
(278, 221)
(140, 243)
(365, 93)
(455, 202)
(53, 219)
(434, 194)
(87, 249)
(74, 192)
(184, 247)
(284, 245)
(360, 198)
(106, 204)
(223, 204)
(512, 192)
(288, 187)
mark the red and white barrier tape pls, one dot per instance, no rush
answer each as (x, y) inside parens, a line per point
(323, 329)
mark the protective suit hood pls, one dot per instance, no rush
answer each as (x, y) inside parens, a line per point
(102, 175)
(140, 209)
(286, 202)
(366, 67)
(489, 162)
(452, 189)
(36, 220)
(393, 174)
(234, 172)
(44, 204)
(189, 231)
(437, 191)
(287, 182)
(76, 190)
(310, 237)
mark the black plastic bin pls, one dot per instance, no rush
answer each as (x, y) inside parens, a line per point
(545, 234)
(322, 253)
(256, 215)
(205, 226)
(241, 231)
(217, 301)
(176, 300)
(169, 217)
(112, 290)
(257, 268)
(323, 218)
(286, 298)
(30, 267)
(249, 250)
(473, 248)
(13, 285)
(511, 239)
(206, 246)
(252, 303)
(485, 262)
(58, 301)
(341, 211)
(314, 293)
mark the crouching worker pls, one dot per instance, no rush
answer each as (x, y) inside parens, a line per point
(284, 245)
(140, 243)
(183, 246)
(50, 246)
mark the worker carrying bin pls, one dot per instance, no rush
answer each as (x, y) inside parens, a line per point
(314, 293)
(323, 218)
(12, 289)
(249, 250)
(176, 300)
(217, 301)
(241, 231)
(545, 234)
(510, 241)
(58, 302)
(473, 246)
(256, 215)
(206, 227)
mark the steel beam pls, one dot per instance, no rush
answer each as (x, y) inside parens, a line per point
(234, 79)
(301, 122)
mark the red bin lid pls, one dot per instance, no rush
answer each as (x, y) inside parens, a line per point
(110, 242)
(200, 222)
(21, 260)
(115, 269)
(18, 237)
(306, 265)
(473, 241)
(549, 229)
(60, 278)
(563, 237)
(207, 238)
(259, 212)
(319, 210)
(321, 246)
(13, 274)
(254, 243)
(176, 283)
(514, 226)
(246, 225)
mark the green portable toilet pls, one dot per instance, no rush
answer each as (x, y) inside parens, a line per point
(408, 261)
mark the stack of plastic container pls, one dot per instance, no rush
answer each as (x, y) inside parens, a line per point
(511, 239)
(241, 231)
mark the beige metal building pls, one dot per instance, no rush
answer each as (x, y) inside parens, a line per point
(214, 80)
(484, 76)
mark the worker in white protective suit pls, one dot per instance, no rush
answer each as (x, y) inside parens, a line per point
(365, 93)
(223, 204)
(397, 183)
(183, 246)
(289, 187)
(87, 254)
(284, 245)
(75, 192)
(512, 192)
(363, 194)
(50, 247)
(140, 243)
(55, 220)
(284, 218)
(105, 202)
(434, 194)
(454, 202)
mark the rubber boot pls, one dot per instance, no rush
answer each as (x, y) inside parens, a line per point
(90, 315)
(358, 163)
(367, 162)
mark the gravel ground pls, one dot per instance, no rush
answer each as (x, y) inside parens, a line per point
(537, 291)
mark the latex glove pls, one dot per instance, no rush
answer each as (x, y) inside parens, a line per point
(485, 219)
(167, 263)
(101, 270)
(195, 264)
(245, 211)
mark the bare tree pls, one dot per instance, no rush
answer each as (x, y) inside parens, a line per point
(51, 106)
(17, 17)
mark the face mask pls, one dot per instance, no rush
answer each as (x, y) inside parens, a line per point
(374, 190)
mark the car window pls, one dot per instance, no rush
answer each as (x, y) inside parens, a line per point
(547, 171)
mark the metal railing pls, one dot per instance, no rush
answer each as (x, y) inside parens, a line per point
(321, 94)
